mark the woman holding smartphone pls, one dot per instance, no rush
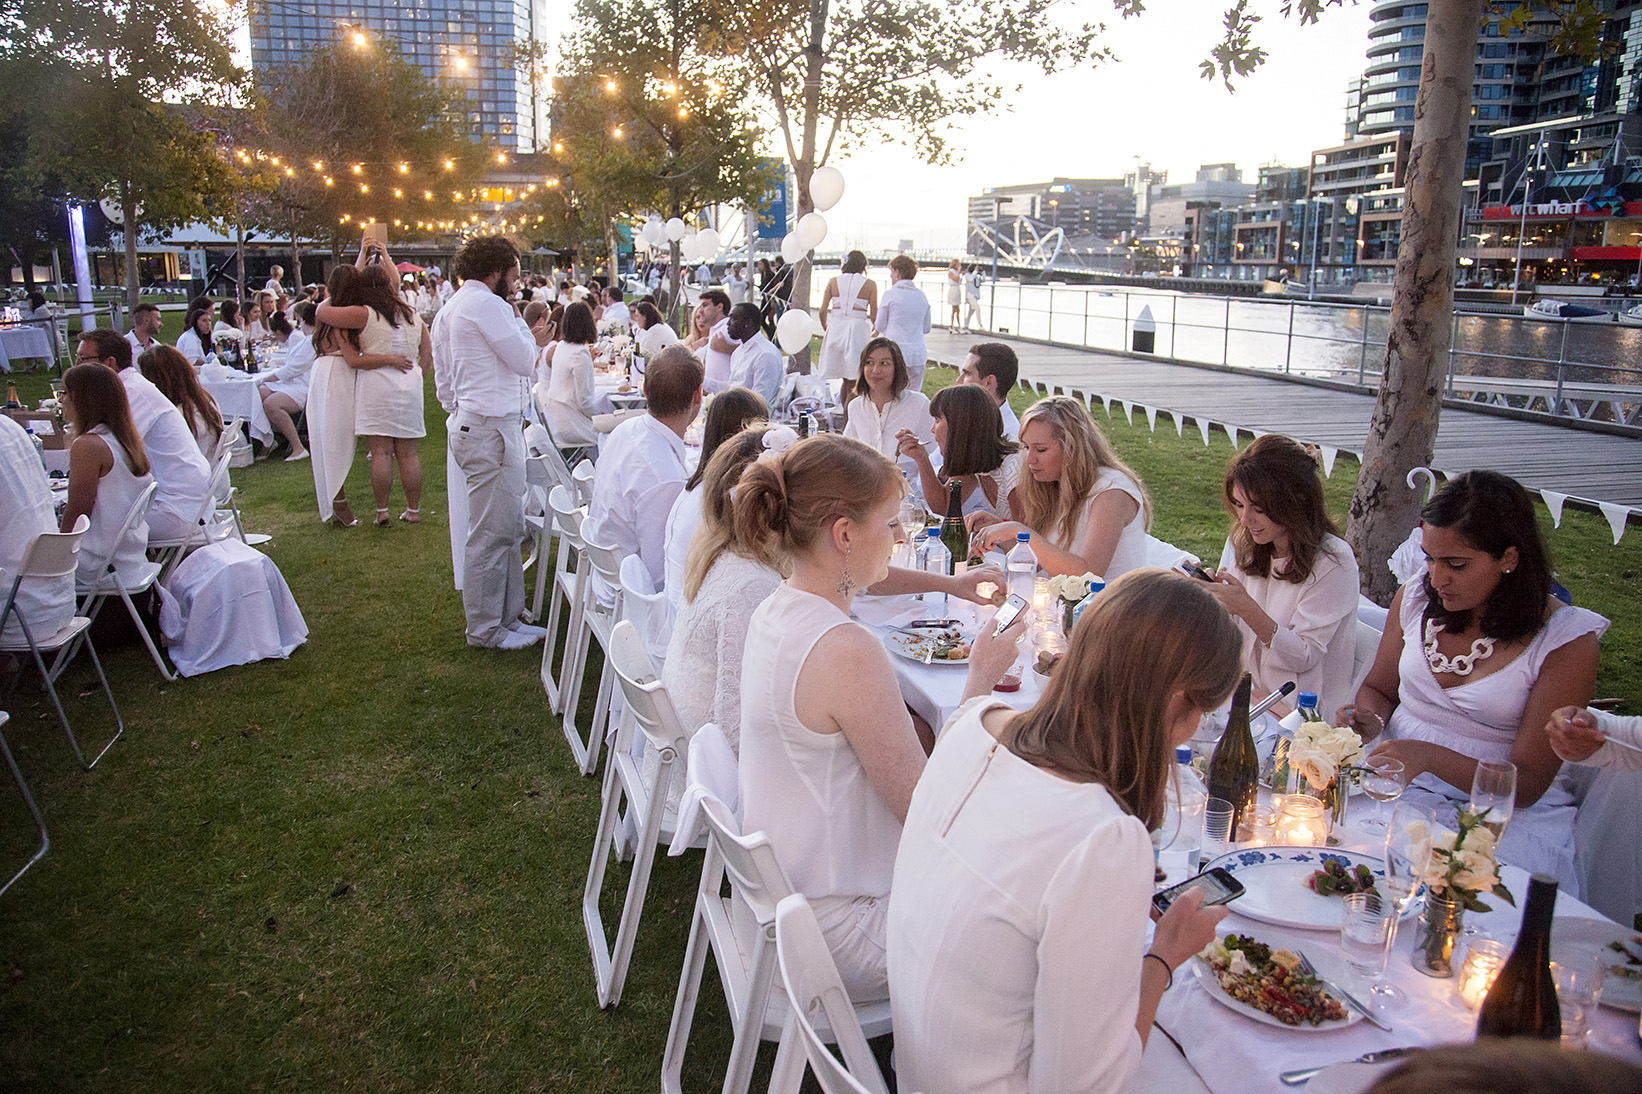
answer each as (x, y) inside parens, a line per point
(1023, 885)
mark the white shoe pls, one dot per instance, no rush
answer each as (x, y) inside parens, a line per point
(525, 628)
(296, 456)
(518, 640)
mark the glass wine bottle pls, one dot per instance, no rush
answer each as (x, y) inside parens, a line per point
(953, 534)
(1234, 770)
(1522, 1002)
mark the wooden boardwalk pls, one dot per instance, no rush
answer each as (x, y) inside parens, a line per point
(1586, 466)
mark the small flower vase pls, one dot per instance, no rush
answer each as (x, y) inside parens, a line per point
(1067, 618)
(1335, 795)
(1440, 926)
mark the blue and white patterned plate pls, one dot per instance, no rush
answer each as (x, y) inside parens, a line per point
(1275, 889)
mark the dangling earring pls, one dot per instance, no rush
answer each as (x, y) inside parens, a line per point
(846, 583)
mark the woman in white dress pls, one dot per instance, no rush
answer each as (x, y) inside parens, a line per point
(829, 754)
(195, 343)
(1087, 512)
(728, 413)
(1476, 657)
(1018, 950)
(654, 333)
(284, 391)
(885, 405)
(394, 352)
(968, 431)
(107, 470)
(955, 290)
(972, 299)
(1286, 576)
(849, 307)
(571, 400)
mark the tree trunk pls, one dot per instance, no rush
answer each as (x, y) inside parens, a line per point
(675, 288)
(128, 207)
(614, 255)
(804, 169)
(296, 264)
(239, 261)
(1403, 432)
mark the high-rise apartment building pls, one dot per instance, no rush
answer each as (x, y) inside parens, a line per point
(476, 44)
(1102, 209)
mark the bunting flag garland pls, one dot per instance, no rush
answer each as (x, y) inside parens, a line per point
(1179, 423)
(1128, 411)
(1203, 428)
(1151, 416)
(1329, 454)
(1553, 502)
(1231, 431)
(1617, 515)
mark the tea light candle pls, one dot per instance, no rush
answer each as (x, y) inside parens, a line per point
(1483, 962)
(1263, 823)
(1301, 821)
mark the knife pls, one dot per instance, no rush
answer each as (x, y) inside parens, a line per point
(1301, 1076)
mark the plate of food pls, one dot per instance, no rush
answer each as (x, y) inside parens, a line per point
(1301, 887)
(1266, 984)
(935, 646)
(1621, 952)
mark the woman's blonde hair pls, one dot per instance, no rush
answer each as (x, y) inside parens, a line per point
(717, 533)
(1056, 508)
(1104, 717)
(784, 503)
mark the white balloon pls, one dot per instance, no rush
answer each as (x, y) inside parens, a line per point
(812, 230)
(826, 187)
(792, 249)
(653, 232)
(676, 229)
(793, 330)
(708, 240)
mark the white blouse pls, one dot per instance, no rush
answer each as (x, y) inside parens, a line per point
(1316, 619)
(655, 338)
(570, 396)
(909, 410)
(1018, 925)
(703, 667)
(682, 522)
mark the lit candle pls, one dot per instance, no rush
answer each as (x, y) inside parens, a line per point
(1301, 821)
(1264, 824)
(1483, 962)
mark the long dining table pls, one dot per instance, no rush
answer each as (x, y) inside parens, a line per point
(1206, 1047)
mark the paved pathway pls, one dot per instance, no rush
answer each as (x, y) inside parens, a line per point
(1592, 467)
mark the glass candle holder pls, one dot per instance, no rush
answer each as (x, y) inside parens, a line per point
(1483, 962)
(1263, 823)
(1301, 822)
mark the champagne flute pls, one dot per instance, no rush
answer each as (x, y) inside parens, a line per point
(1494, 795)
(1408, 843)
(1384, 780)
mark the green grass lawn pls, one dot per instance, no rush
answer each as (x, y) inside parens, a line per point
(362, 866)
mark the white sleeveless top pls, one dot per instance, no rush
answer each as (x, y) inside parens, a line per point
(1130, 553)
(831, 832)
(116, 491)
(849, 303)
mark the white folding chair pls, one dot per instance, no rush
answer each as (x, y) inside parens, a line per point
(567, 589)
(740, 931)
(53, 555)
(1366, 645)
(538, 527)
(597, 621)
(205, 527)
(28, 799)
(812, 983)
(112, 583)
(647, 608)
(648, 706)
(582, 477)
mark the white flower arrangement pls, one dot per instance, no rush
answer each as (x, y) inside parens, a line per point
(1463, 864)
(1071, 588)
(1320, 752)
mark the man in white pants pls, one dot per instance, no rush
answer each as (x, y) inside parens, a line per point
(483, 361)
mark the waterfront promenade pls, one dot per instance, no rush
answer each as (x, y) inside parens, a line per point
(1587, 466)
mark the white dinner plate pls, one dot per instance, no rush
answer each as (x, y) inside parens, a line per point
(1211, 985)
(1275, 889)
(1618, 992)
(913, 647)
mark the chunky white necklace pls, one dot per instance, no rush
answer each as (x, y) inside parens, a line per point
(1481, 650)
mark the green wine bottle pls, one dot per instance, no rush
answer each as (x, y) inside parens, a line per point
(1234, 770)
(953, 535)
(1523, 1002)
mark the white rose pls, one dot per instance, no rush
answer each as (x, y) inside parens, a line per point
(1479, 839)
(1315, 763)
(1476, 871)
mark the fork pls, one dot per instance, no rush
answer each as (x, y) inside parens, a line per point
(1311, 970)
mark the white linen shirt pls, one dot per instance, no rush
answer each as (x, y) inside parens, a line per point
(655, 338)
(294, 373)
(192, 349)
(617, 313)
(903, 317)
(682, 521)
(716, 364)
(757, 363)
(1011, 423)
(640, 474)
(174, 458)
(137, 348)
(25, 499)
(1624, 728)
(908, 410)
(1018, 925)
(571, 400)
(483, 354)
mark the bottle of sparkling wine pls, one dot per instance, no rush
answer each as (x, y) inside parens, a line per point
(1522, 1002)
(953, 533)
(1234, 770)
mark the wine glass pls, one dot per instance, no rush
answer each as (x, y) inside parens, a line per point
(1494, 795)
(1384, 780)
(911, 517)
(1408, 842)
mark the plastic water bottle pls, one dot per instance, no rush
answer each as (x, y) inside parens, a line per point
(934, 558)
(39, 445)
(1277, 767)
(1022, 565)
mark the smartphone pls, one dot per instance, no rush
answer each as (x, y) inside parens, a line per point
(1011, 610)
(1218, 884)
(375, 233)
(1194, 570)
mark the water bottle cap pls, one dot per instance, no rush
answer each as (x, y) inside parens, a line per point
(1183, 754)
(932, 533)
(1022, 537)
(1307, 699)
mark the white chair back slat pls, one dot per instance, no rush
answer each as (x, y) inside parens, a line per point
(582, 476)
(811, 979)
(647, 608)
(56, 554)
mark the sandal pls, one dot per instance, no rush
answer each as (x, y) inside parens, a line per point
(342, 515)
(411, 516)
(382, 518)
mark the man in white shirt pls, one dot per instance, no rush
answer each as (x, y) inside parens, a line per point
(641, 465)
(145, 328)
(757, 362)
(183, 476)
(615, 308)
(704, 274)
(25, 498)
(483, 361)
(994, 367)
(715, 355)
(904, 318)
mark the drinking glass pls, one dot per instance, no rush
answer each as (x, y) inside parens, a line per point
(1408, 842)
(1384, 780)
(1368, 927)
(1578, 971)
(1181, 850)
(1217, 818)
(1494, 792)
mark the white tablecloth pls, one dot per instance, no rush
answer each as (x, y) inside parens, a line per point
(23, 342)
(237, 398)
